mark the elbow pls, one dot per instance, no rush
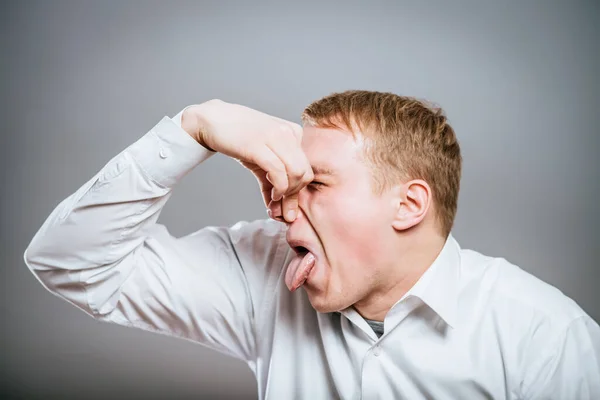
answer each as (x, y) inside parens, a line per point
(38, 256)
(48, 265)
(61, 282)
(40, 266)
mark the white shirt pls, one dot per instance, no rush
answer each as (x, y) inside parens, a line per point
(472, 327)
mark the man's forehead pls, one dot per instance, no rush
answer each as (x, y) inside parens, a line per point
(329, 150)
(309, 129)
(316, 136)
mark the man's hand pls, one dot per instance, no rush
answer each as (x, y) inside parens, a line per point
(270, 147)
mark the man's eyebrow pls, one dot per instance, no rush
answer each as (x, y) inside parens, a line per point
(317, 170)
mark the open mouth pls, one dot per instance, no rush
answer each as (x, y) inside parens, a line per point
(300, 250)
(301, 247)
(300, 267)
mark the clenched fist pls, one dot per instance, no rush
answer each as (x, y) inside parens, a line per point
(268, 146)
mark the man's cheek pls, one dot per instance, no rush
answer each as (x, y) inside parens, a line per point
(351, 210)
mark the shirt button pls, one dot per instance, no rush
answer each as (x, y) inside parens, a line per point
(377, 350)
(162, 153)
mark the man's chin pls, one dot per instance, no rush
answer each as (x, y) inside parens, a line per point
(322, 304)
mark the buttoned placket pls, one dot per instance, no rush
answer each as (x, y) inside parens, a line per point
(372, 360)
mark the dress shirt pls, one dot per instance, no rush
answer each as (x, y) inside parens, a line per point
(472, 327)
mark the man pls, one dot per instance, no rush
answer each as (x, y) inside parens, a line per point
(362, 199)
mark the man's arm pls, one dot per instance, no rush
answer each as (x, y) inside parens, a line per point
(102, 250)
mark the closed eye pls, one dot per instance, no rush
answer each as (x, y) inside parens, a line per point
(315, 185)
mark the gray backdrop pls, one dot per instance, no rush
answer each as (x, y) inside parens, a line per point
(82, 80)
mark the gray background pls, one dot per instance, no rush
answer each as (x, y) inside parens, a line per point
(82, 80)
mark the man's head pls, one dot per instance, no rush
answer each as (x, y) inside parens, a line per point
(387, 172)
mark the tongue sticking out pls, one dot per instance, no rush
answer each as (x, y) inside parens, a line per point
(298, 270)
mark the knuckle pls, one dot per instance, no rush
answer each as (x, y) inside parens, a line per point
(308, 177)
(286, 129)
(296, 172)
(214, 102)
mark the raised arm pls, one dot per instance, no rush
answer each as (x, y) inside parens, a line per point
(102, 250)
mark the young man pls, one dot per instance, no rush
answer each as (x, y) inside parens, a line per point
(362, 200)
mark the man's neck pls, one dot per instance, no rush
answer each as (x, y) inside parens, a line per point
(415, 257)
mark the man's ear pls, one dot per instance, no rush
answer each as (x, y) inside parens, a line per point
(412, 200)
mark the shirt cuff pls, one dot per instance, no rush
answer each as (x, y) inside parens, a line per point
(177, 118)
(167, 153)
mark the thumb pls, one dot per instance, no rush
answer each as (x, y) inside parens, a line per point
(290, 207)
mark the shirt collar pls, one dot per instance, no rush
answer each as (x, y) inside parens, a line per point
(438, 286)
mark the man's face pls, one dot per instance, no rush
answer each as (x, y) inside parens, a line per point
(342, 222)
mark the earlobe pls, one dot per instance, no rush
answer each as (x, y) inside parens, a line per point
(413, 200)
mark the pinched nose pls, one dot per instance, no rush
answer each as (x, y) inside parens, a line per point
(276, 209)
(275, 212)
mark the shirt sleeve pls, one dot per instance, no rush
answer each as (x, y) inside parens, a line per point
(102, 250)
(569, 366)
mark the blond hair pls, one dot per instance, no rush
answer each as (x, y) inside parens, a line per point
(405, 138)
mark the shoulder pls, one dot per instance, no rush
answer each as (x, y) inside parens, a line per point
(544, 336)
(513, 294)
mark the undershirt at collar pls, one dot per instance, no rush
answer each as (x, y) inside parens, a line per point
(376, 326)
